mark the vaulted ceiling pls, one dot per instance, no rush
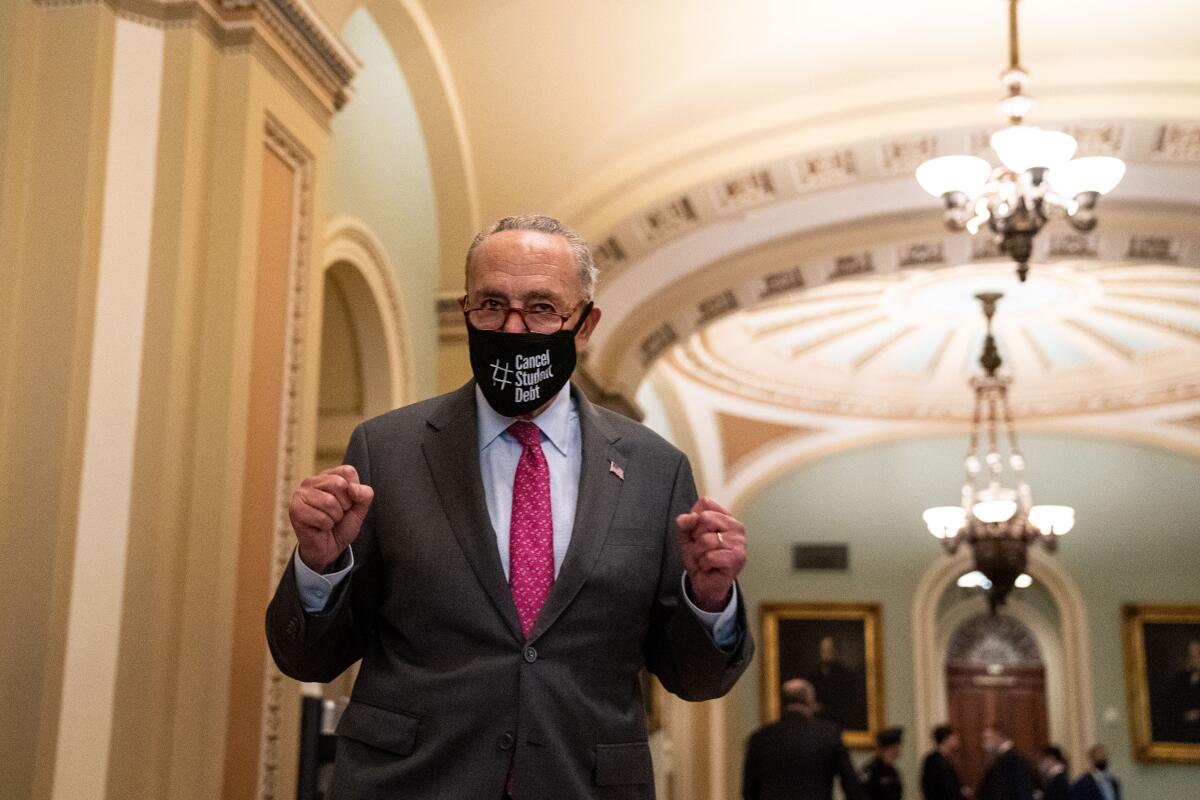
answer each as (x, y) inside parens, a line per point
(745, 172)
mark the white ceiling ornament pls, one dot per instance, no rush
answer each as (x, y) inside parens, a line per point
(1079, 336)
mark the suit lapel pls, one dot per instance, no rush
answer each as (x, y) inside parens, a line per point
(599, 488)
(452, 453)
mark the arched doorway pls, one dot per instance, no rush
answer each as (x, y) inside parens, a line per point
(364, 368)
(995, 675)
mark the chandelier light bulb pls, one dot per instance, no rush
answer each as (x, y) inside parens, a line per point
(1023, 581)
(995, 510)
(974, 580)
(1052, 519)
(966, 174)
(1022, 147)
(944, 522)
(1099, 174)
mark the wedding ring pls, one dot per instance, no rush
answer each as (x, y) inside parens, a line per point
(720, 538)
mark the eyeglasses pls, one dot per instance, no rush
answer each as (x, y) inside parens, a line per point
(493, 317)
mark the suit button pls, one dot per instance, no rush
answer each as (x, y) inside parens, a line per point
(504, 741)
(530, 654)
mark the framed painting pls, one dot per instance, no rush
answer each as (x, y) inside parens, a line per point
(837, 647)
(1162, 674)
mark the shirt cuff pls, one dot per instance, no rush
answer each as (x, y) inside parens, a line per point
(721, 625)
(316, 589)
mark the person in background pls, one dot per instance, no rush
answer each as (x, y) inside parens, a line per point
(939, 776)
(1097, 783)
(1053, 775)
(799, 755)
(881, 779)
(1009, 776)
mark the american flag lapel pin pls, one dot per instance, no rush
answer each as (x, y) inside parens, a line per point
(615, 470)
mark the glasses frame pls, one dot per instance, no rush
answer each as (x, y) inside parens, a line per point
(522, 313)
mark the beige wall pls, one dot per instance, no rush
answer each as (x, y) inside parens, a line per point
(229, 321)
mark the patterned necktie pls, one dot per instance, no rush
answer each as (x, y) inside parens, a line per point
(531, 537)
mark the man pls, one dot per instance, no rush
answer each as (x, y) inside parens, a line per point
(939, 776)
(799, 755)
(881, 779)
(1097, 783)
(1008, 776)
(505, 559)
(1052, 771)
(838, 687)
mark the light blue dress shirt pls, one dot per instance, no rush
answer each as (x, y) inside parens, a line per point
(499, 453)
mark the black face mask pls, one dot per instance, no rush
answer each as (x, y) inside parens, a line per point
(520, 372)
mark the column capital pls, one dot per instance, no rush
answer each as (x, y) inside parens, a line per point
(288, 30)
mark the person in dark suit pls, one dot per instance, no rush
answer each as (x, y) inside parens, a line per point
(1008, 776)
(1053, 774)
(505, 559)
(1097, 783)
(799, 755)
(939, 776)
(881, 779)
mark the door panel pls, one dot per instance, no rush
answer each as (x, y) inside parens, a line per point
(1012, 697)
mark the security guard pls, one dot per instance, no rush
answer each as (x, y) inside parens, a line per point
(880, 776)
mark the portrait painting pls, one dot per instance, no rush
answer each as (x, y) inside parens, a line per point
(837, 648)
(1162, 667)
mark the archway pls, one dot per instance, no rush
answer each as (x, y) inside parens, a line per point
(1064, 647)
(995, 675)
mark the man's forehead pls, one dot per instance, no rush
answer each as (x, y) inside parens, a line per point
(528, 261)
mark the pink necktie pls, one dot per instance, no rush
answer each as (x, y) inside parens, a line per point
(531, 537)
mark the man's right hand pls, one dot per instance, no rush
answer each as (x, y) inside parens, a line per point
(327, 512)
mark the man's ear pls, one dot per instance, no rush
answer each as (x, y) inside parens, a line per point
(585, 332)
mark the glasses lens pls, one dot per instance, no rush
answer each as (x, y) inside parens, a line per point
(486, 319)
(543, 323)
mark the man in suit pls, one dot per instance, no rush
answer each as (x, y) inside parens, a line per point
(1053, 775)
(1097, 783)
(939, 776)
(799, 755)
(504, 559)
(1008, 776)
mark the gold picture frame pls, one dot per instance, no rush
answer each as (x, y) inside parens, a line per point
(794, 646)
(1161, 683)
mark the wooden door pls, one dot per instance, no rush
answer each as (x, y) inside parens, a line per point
(1012, 697)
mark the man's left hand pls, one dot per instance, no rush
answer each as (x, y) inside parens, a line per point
(713, 545)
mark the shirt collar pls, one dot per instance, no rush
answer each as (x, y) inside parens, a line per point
(554, 422)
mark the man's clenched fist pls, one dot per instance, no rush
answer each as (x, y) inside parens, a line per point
(713, 545)
(327, 512)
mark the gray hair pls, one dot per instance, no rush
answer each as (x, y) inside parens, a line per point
(543, 224)
(799, 692)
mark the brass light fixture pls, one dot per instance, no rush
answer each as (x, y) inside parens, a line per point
(998, 523)
(1036, 182)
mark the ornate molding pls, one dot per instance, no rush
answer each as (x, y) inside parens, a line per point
(759, 186)
(288, 148)
(289, 29)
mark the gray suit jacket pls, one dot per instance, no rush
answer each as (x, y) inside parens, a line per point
(450, 695)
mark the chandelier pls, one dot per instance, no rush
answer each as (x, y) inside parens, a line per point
(1038, 179)
(998, 523)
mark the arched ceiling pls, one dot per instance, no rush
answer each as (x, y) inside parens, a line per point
(579, 108)
(738, 165)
